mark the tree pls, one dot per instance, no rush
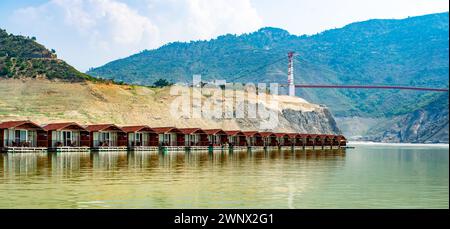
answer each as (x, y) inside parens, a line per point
(161, 83)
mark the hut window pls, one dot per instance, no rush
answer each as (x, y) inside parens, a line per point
(139, 137)
(21, 135)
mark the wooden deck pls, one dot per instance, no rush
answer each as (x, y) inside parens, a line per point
(143, 148)
(109, 148)
(163, 148)
(197, 148)
(256, 148)
(172, 148)
(239, 148)
(271, 148)
(70, 149)
(24, 149)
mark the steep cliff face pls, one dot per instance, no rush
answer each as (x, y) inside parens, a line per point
(47, 101)
(319, 120)
(427, 124)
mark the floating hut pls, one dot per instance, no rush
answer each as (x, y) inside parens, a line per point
(309, 140)
(297, 140)
(237, 139)
(141, 138)
(195, 138)
(254, 139)
(270, 139)
(68, 136)
(342, 140)
(107, 137)
(217, 137)
(22, 136)
(284, 140)
(26, 136)
(170, 138)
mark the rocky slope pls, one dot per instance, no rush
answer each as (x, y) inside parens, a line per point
(86, 102)
(35, 85)
(428, 124)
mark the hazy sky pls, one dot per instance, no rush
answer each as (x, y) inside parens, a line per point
(90, 33)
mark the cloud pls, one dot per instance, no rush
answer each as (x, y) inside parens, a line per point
(203, 19)
(90, 33)
(211, 18)
(104, 21)
(105, 28)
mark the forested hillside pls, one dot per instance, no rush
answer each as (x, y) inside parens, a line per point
(23, 57)
(411, 51)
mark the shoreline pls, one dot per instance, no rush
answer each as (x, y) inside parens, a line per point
(437, 145)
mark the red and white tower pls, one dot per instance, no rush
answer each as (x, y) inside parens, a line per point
(291, 74)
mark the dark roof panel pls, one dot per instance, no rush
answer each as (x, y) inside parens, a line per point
(15, 124)
(215, 132)
(62, 126)
(143, 128)
(103, 127)
(192, 131)
(165, 130)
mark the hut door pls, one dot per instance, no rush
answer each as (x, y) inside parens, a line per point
(138, 140)
(67, 138)
(75, 138)
(217, 139)
(131, 139)
(17, 137)
(187, 140)
(21, 136)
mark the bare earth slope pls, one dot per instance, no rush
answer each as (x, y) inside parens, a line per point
(47, 101)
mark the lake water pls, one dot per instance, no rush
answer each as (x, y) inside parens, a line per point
(369, 176)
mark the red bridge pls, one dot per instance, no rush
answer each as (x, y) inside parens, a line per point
(371, 87)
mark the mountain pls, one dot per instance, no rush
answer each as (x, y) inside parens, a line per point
(411, 51)
(23, 57)
(427, 124)
(35, 85)
(46, 101)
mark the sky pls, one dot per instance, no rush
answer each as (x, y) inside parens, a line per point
(90, 33)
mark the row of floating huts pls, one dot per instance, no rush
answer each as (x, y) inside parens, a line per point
(23, 136)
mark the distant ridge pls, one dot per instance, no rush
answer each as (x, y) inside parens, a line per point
(409, 52)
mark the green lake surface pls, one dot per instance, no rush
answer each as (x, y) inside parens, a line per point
(368, 176)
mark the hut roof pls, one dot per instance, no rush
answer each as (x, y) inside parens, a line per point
(62, 126)
(215, 132)
(103, 127)
(294, 135)
(192, 131)
(251, 133)
(24, 123)
(143, 128)
(234, 132)
(280, 135)
(267, 134)
(165, 130)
